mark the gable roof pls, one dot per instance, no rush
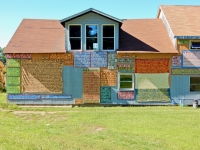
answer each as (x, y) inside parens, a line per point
(37, 36)
(145, 35)
(183, 20)
(88, 11)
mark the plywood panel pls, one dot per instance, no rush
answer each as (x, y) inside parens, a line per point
(108, 77)
(152, 65)
(43, 76)
(125, 95)
(82, 59)
(152, 95)
(98, 59)
(73, 81)
(125, 65)
(13, 89)
(112, 60)
(21, 56)
(91, 85)
(182, 47)
(105, 95)
(13, 72)
(189, 71)
(13, 80)
(152, 81)
(66, 58)
(43, 56)
(191, 58)
(13, 63)
(176, 61)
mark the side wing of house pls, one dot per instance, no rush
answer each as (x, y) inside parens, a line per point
(182, 25)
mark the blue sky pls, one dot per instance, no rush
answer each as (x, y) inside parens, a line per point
(13, 11)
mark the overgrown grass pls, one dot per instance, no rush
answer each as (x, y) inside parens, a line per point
(101, 128)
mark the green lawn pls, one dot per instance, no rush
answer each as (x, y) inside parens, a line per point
(94, 128)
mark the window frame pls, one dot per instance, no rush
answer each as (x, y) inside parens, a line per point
(192, 84)
(69, 48)
(190, 44)
(126, 89)
(107, 37)
(91, 37)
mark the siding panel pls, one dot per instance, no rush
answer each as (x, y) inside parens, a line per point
(180, 89)
(72, 81)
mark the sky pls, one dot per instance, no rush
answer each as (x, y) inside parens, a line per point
(12, 12)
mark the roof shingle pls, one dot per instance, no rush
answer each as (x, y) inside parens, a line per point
(183, 20)
(145, 35)
(37, 36)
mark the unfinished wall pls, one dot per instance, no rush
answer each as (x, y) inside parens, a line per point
(41, 76)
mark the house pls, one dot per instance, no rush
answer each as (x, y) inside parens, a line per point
(92, 57)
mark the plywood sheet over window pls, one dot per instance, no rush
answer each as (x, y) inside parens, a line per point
(108, 77)
(152, 65)
(41, 76)
(91, 85)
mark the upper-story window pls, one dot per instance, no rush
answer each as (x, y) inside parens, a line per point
(108, 37)
(195, 45)
(91, 37)
(75, 37)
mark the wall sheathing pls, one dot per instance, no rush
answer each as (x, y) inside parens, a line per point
(91, 80)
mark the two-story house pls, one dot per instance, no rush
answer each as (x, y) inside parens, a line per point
(92, 57)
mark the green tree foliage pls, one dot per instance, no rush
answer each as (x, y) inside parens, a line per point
(2, 55)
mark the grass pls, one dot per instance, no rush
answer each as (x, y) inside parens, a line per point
(88, 128)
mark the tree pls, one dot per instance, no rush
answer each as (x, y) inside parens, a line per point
(2, 55)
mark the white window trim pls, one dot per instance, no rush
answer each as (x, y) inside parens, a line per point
(190, 44)
(126, 89)
(74, 37)
(93, 37)
(107, 37)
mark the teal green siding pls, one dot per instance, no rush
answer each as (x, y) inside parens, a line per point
(180, 89)
(73, 81)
